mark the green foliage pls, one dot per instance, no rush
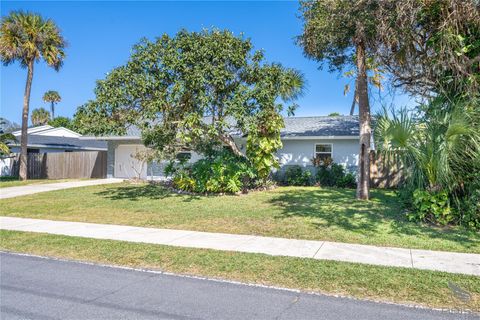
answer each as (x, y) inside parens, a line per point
(331, 29)
(27, 37)
(52, 96)
(334, 175)
(470, 209)
(263, 142)
(439, 152)
(297, 176)
(444, 57)
(40, 117)
(221, 172)
(195, 91)
(4, 139)
(62, 122)
(431, 206)
(469, 205)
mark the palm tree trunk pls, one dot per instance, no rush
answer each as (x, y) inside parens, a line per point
(24, 137)
(52, 106)
(363, 185)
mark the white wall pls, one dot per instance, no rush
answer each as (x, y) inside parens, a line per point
(301, 152)
(294, 152)
(58, 132)
(5, 166)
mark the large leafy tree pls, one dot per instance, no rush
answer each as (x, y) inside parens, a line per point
(62, 122)
(431, 47)
(53, 97)
(27, 38)
(197, 90)
(342, 33)
(40, 117)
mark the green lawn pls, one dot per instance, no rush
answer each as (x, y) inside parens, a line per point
(291, 212)
(6, 182)
(401, 285)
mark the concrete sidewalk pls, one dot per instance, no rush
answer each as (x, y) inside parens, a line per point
(11, 192)
(452, 262)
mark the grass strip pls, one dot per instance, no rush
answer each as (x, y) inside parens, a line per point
(309, 213)
(400, 285)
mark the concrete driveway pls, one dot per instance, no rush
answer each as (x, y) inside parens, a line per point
(11, 192)
(40, 288)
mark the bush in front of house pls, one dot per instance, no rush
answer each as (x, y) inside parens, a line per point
(334, 175)
(297, 176)
(219, 172)
(431, 206)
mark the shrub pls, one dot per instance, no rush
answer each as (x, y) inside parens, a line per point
(220, 172)
(470, 210)
(347, 181)
(334, 175)
(296, 176)
(431, 206)
(470, 202)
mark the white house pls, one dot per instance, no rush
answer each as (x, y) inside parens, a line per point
(43, 139)
(303, 139)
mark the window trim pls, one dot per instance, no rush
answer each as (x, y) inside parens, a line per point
(315, 149)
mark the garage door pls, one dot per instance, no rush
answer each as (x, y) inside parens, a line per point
(126, 166)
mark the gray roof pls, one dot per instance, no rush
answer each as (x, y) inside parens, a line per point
(62, 142)
(318, 126)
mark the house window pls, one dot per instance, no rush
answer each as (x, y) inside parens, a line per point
(32, 150)
(323, 151)
(184, 156)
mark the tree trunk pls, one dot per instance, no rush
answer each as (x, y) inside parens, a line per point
(364, 119)
(232, 145)
(53, 110)
(24, 137)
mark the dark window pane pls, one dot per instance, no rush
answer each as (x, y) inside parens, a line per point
(184, 156)
(323, 148)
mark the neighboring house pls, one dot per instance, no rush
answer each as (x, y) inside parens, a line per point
(303, 139)
(43, 139)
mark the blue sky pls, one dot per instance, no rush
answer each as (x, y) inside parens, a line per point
(100, 36)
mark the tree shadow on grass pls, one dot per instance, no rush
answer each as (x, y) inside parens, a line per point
(143, 191)
(338, 208)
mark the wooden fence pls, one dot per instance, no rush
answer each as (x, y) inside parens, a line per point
(64, 165)
(384, 174)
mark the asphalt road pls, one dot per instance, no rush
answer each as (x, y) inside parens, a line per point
(38, 288)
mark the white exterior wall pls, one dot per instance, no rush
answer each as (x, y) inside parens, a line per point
(294, 152)
(301, 152)
(58, 132)
(5, 166)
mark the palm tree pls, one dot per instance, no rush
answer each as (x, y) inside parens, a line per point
(438, 151)
(52, 97)
(27, 38)
(5, 137)
(40, 117)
